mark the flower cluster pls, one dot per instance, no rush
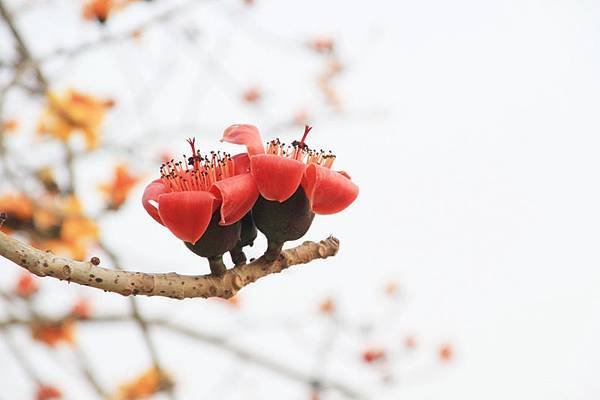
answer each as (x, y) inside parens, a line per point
(216, 202)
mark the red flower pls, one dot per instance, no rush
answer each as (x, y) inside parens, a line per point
(280, 170)
(187, 194)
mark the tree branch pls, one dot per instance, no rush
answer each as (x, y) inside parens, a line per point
(170, 284)
(21, 45)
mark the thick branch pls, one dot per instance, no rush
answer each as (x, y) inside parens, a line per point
(167, 284)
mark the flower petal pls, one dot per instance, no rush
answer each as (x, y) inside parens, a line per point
(328, 191)
(277, 177)
(241, 163)
(186, 214)
(238, 194)
(247, 135)
(151, 193)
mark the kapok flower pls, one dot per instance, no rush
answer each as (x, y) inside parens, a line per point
(187, 194)
(117, 190)
(294, 181)
(71, 112)
(143, 386)
(280, 170)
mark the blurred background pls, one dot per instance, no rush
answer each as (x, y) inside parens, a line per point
(467, 266)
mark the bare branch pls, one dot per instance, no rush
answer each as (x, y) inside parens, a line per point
(170, 284)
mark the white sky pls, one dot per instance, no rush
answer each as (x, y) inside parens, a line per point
(471, 129)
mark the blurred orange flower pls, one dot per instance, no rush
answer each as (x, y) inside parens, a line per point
(17, 206)
(391, 288)
(446, 352)
(72, 112)
(143, 386)
(47, 392)
(53, 333)
(27, 285)
(98, 9)
(101, 9)
(251, 95)
(10, 125)
(117, 190)
(327, 306)
(410, 342)
(76, 231)
(322, 44)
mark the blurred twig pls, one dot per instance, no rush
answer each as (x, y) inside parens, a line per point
(264, 362)
(137, 318)
(20, 42)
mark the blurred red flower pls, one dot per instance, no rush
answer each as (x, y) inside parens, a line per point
(373, 354)
(27, 285)
(251, 95)
(47, 392)
(82, 309)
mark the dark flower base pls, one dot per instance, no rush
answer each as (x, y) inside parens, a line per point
(216, 241)
(281, 222)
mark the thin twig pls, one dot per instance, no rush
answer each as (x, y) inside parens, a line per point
(261, 361)
(21, 45)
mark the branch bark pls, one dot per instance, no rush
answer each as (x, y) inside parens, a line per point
(170, 284)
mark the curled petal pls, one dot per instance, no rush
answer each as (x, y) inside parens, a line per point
(187, 214)
(151, 193)
(328, 191)
(241, 163)
(238, 194)
(277, 177)
(247, 135)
